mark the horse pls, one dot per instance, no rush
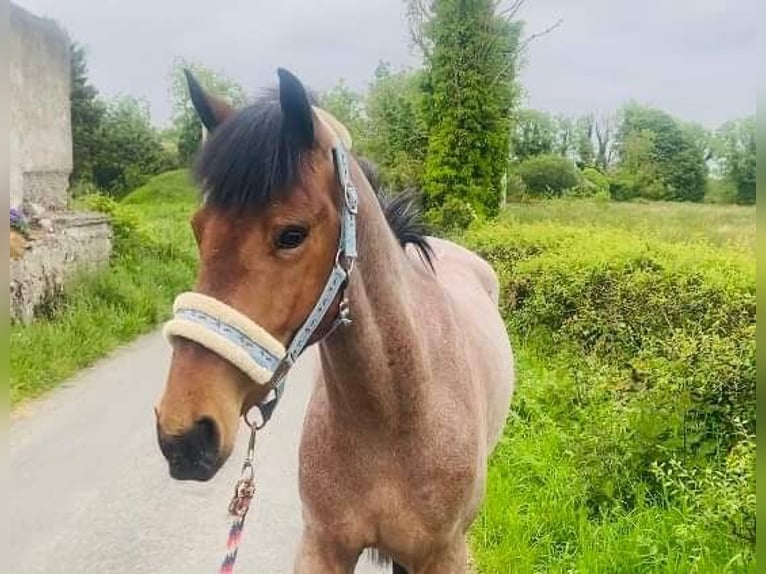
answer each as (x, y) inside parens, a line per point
(416, 371)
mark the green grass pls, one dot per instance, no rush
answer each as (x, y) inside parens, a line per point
(730, 226)
(535, 517)
(98, 313)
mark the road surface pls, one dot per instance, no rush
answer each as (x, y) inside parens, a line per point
(90, 492)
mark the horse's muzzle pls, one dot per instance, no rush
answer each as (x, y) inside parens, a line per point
(194, 455)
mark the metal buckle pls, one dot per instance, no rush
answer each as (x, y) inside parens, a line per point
(244, 490)
(352, 197)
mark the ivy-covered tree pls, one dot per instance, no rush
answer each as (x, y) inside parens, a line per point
(472, 55)
(87, 115)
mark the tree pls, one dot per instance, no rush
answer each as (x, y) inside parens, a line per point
(348, 108)
(130, 148)
(565, 135)
(673, 159)
(584, 127)
(472, 57)
(186, 123)
(549, 175)
(737, 153)
(397, 129)
(87, 114)
(534, 133)
(603, 127)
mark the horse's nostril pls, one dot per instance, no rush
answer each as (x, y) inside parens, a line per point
(193, 455)
(206, 432)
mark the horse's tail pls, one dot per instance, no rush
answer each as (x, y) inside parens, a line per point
(381, 559)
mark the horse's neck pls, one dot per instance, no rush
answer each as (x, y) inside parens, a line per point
(370, 367)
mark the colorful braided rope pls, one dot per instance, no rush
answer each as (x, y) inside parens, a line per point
(232, 545)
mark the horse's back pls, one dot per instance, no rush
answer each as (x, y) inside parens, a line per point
(452, 257)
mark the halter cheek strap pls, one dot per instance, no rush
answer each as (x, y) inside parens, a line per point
(245, 344)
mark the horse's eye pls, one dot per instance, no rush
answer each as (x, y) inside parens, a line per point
(291, 237)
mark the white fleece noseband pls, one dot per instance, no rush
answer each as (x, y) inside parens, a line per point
(245, 344)
(228, 333)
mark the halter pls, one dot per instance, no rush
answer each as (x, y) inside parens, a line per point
(248, 346)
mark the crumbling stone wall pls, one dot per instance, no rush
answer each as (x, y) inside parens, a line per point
(60, 244)
(80, 242)
(40, 116)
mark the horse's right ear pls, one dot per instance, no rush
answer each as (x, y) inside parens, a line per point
(297, 120)
(212, 111)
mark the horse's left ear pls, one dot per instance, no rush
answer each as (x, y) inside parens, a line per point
(298, 122)
(212, 111)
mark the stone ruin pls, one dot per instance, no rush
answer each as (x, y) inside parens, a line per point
(58, 243)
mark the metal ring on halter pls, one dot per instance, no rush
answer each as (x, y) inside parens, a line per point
(254, 425)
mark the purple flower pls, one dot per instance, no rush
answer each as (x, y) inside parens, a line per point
(18, 221)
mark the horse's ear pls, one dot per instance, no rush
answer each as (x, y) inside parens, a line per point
(296, 109)
(212, 111)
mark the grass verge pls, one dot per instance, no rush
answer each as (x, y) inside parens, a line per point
(153, 260)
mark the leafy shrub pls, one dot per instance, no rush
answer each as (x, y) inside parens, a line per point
(720, 191)
(629, 186)
(657, 343)
(595, 184)
(515, 190)
(548, 175)
(127, 224)
(679, 321)
(454, 215)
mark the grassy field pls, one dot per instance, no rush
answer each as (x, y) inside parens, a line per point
(729, 226)
(630, 447)
(154, 259)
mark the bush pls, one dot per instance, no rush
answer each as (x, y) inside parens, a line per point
(548, 175)
(655, 344)
(454, 215)
(627, 186)
(126, 222)
(515, 190)
(129, 150)
(676, 320)
(595, 184)
(720, 191)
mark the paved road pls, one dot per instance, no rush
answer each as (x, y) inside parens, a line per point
(90, 491)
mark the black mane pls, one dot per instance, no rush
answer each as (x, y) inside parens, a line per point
(249, 160)
(403, 212)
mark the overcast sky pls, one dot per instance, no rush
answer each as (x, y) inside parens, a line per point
(694, 58)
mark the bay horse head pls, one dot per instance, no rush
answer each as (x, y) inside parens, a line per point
(270, 236)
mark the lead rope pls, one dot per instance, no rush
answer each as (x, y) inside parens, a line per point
(240, 504)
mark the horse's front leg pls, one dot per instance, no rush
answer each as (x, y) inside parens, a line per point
(452, 559)
(319, 554)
